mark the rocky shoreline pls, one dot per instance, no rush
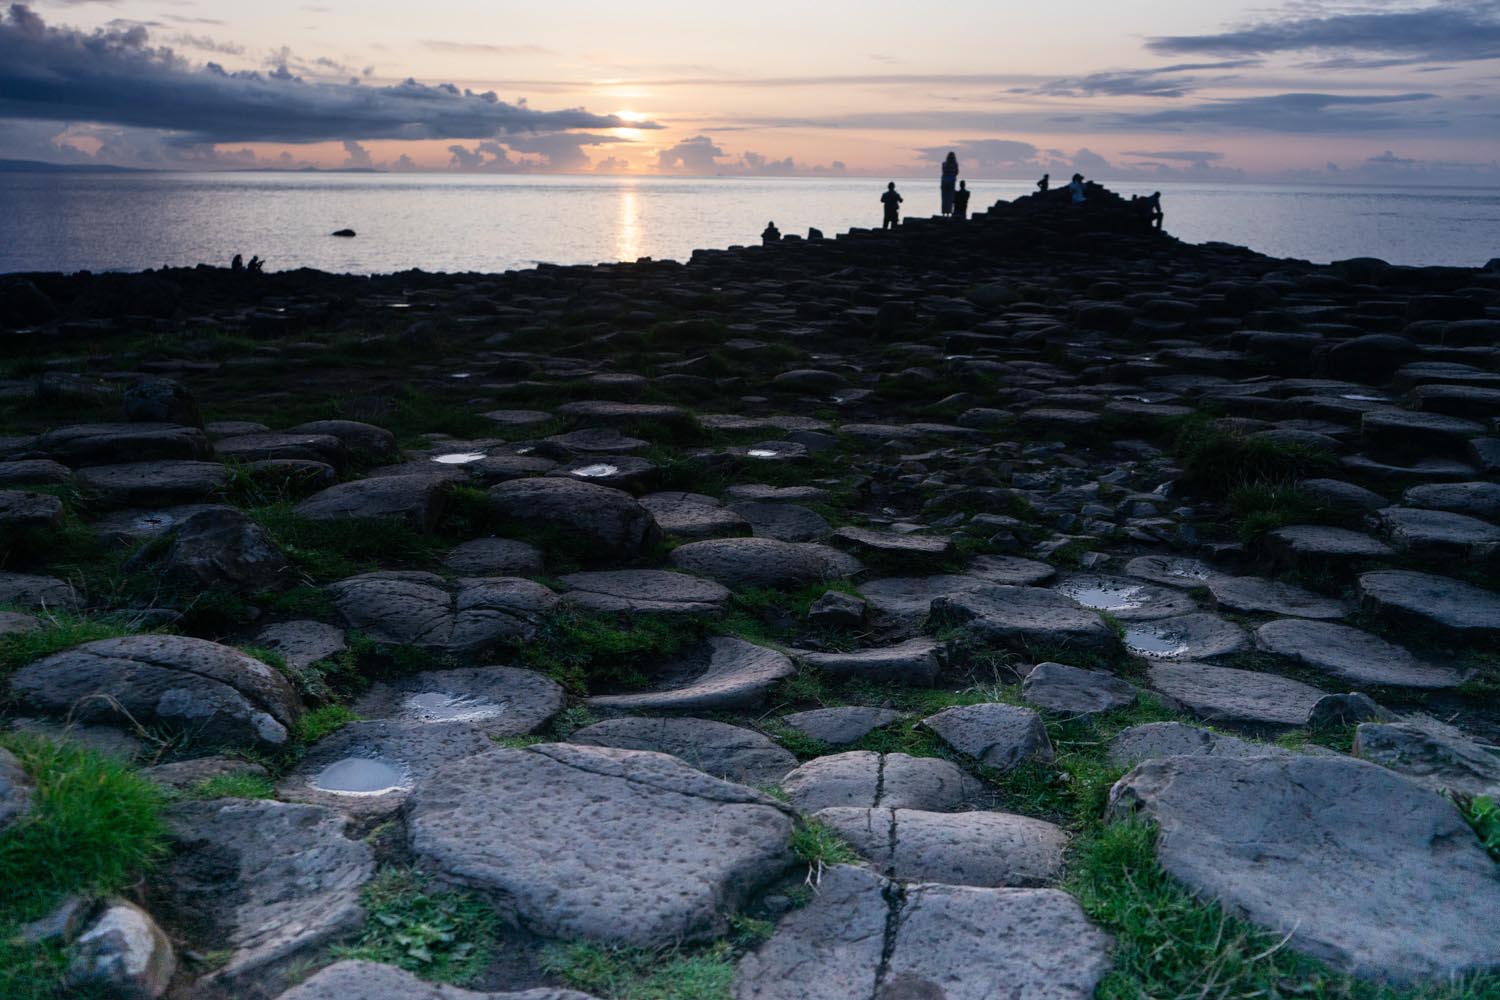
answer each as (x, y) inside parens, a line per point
(901, 615)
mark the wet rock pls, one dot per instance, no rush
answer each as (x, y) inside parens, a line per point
(1357, 866)
(1435, 755)
(1017, 617)
(495, 557)
(302, 643)
(724, 751)
(1252, 594)
(1174, 571)
(520, 826)
(499, 701)
(124, 953)
(217, 695)
(866, 780)
(1061, 688)
(145, 484)
(1126, 598)
(1435, 601)
(266, 881)
(1186, 637)
(763, 562)
(259, 447)
(997, 735)
(719, 673)
(838, 727)
(694, 516)
(224, 548)
(1314, 544)
(612, 523)
(645, 591)
(1221, 694)
(969, 848)
(916, 662)
(621, 472)
(182, 775)
(351, 980)
(94, 444)
(1351, 655)
(410, 499)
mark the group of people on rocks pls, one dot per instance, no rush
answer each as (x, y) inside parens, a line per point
(954, 196)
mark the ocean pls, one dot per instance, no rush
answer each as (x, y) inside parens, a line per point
(466, 222)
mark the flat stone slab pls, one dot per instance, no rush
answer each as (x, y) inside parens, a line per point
(416, 500)
(363, 440)
(1126, 598)
(1438, 756)
(147, 484)
(217, 695)
(763, 562)
(1256, 595)
(717, 748)
(1019, 617)
(1058, 687)
(1012, 571)
(1186, 637)
(841, 726)
(1222, 694)
(14, 623)
(1314, 543)
(1436, 601)
(916, 661)
(630, 473)
(969, 848)
(997, 735)
(777, 494)
(495, 557)
(868, 542)
(28, 590)
(1351, 655)
(1174, 571)
(863, 938)
(302, 643)
(1169, 739)
(94, 444)
(787, 522)
(719, 673)
(418, 609)
(868, 780)
(258, 447)
(498, 701)
(20, 509)
(694, 516)
(1357, 866)
(522, 827)
(908, 599)
(350, 980)
(266, 881)
(645, 591)
(610, 520)
(1476, 499)
(1432, 532)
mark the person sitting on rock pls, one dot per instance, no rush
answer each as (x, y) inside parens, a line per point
(1044, 184)
(892, 202)
(1075, 187)
(1153, 210)
(771, 234)
(961, 201)
(255, 265)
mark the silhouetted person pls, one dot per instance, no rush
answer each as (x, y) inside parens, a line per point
(1075, 188)
(950, 177)
(1153, 210)
(238, 264)
(961, 201)
(771, 234)
(892, 202)
(255, 265)
(1043, 184)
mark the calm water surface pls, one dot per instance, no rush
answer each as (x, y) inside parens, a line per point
(477, 223)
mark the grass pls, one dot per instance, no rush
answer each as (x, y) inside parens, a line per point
(60, 630)
(319, 722)
(819, 847)
(332, 550)
(579, 650)
(1259, 507)
(1215, 462)
(643, 974)
(94, 828)
(1483, 814)
(233, 786)
(438, 935)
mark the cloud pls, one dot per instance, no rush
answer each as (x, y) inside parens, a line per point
(1160, 81)
(118, 77)
(986, 154)
(560, 150)
(698, 155)
(1293, 113)
(1448, 32)
(1186, 155)
(356, 156)
(205, 44)
(484, 49)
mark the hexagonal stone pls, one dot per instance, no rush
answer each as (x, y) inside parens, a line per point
(14, 623)
(28, 590)
(351, 980)
(1174, 571)
(787, 522)
(694, 516)
(217, 695)
(258, 447)
(1126, 598)
(864, 938)
(34, 472)
(91, 444)
(494, 557)
(1436, 601)
(1058, 687)
(523, 827)
(1425, 433)
(724, 751)
(499, 701)
(1305, 544)
(1169, 739)
(610, 520)
(1358, 867)
(1221, 694)
(417, 609)
(868, 542)
(719, 673)
(1436, 755)
(1473, 499)
(1186, 637)
(867, 780)
(144, 484)
(20, 509)
(916, 662)
(266, 881)
(840, 726)
(997, 735)
(909, 599)
(302, 643)
(630, 473)
(365, 441)
(1351, 655)
(763, 562)
(645, 591)
(1018, 617)
(413, 499)
(1412, 529)
(1253, 594)
(967, 848)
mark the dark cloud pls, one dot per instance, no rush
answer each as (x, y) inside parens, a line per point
(1160, 81)
(1294, 113)
(118, 77)
(1449, 32)
(560, 150)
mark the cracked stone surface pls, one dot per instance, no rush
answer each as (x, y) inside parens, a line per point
(720, 673)
(997, 735)
(609, 519)
(867, 780)
(1351, 655)
(733, 753)
(763, 562)
(417, 609)
(500, 701)
(1058, 687)
(967, 848)
(1016, 617)
(1222, 694)
(645, 591)
(354, 980)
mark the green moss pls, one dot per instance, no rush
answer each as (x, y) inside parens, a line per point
(638, 974)
(438, 935)
(1483, 814)
(580, 650)
(233, 786)
(319, 722)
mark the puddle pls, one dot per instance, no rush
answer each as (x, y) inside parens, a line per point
(1105, 596)
(1361, 398)
(461, 375)
(762, 453)
(459, 457)
(1149, 643)
(597, 470)
(153, 522)
(436, 706)
(360, 776)
(1185, 569)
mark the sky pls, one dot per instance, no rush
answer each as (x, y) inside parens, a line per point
(1215, 90)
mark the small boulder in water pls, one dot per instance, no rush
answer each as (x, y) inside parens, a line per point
(342, 232)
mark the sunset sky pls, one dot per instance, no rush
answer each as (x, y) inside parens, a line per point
(1379, 91)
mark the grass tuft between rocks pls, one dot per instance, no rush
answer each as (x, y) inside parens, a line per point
(59, 630)
(644, 974)
(233, 786)
(440, 935)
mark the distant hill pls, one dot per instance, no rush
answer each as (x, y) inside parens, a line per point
(42, 167)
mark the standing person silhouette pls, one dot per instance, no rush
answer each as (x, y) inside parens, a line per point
(961, 201)
(1043, 184)
(1153, 210)
(1075, 187)
(950, 177)
(892, 202)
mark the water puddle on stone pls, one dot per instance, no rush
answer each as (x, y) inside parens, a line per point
(1105, 596)
(1149, 643)
(598, 470)
(1363, 399)
(461, 375)
(360, 776)
(459, 457)
(153, 522)
(762, 453)
(437, 706)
